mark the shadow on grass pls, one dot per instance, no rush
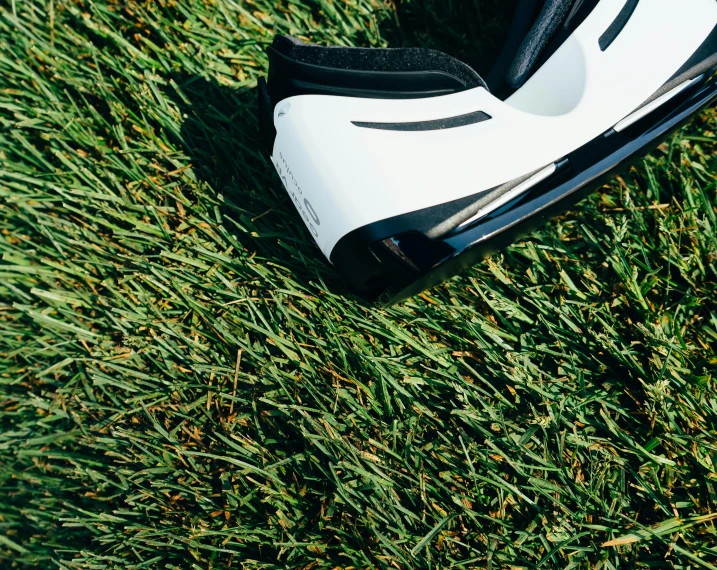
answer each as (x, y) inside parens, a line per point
(220, 135)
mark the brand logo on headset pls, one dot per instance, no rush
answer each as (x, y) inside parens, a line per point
(311, 218)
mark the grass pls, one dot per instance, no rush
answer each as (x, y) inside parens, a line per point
(185, 383)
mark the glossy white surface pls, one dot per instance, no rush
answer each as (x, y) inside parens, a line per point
(650, 107)
(342, 177)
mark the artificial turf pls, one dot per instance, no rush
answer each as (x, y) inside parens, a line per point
(185, 383)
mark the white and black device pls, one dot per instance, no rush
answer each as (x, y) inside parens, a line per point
(407, 166)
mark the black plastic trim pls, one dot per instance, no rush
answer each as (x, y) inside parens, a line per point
(390, 259)
(618, 25)
(436, 125)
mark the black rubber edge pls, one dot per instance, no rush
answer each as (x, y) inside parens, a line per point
(618, 24)
(392, 260)
(436, 125)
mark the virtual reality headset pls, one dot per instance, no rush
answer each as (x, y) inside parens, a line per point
(408, 167)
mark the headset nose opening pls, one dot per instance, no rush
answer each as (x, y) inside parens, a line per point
(559, 87)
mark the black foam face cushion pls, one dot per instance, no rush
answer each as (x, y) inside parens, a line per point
(376, 59)
(550, 19)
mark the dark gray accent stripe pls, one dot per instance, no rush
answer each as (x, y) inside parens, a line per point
(437, 125)
(618, 25)
(480, 201)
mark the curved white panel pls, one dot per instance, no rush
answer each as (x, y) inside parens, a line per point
(342, 177)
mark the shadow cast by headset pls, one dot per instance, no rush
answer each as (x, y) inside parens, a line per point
(220, 135)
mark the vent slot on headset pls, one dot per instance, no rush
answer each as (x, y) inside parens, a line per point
(618, 25)
(436, 125)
